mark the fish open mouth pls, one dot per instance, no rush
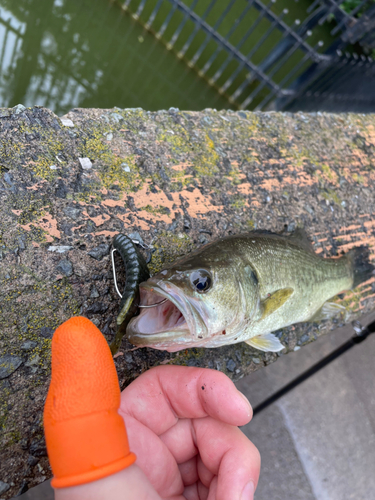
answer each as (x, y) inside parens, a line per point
(163, 320)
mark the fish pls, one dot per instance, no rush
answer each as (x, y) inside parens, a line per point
(241, 288)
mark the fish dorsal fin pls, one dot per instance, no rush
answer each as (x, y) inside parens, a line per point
(266, 342)
(275, 301)
(299, 236)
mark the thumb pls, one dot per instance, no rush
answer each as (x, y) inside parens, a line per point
(85, 436)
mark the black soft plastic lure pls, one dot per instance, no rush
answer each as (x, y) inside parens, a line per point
(136, 272)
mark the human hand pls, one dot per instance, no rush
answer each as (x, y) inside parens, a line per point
(181, 424)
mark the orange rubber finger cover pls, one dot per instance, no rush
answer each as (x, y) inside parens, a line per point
(86, 437)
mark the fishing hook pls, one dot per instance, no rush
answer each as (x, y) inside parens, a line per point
(115, 278)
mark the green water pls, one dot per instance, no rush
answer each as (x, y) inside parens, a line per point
(91, 53)
(264, 38)
(88, 53)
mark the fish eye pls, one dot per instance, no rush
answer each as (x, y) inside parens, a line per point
(201, 280)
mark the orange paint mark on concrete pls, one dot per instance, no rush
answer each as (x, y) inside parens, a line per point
(367, 283)
(34, 187)
(47, 224)
(369, 224)
(271, 184)
(344, 237)
(369, 241)
(114, 203)
(181, 166)
(368, 297)
(142, 224)
(155, 216)
(245, 188)
(351, 228)
(304, 180)
(199, 204)
(127, 223)
(255, 203)
(100, 219)
(77, 227)
(362, 157)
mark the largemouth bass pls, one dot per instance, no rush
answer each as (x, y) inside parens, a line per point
(242, 288)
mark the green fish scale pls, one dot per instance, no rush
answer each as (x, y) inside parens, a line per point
(281, 263)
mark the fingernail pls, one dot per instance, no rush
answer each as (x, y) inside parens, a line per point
(247, 401)
(248, 491)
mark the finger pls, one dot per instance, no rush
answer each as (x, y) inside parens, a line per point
(228, 454)
(204, 474)
(132, 480)
(165, 393)
(213, 489)
(196, 492)
(191, 492)
(180, 441)
(154, 458)
(203, 491)
(189, 471)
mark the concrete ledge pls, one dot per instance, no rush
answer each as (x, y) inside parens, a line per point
(179, 180)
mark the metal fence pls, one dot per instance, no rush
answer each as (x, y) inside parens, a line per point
(261, 56)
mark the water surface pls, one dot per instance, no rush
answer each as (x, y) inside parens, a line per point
(89, 53)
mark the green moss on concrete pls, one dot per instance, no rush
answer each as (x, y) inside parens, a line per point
(331, 195)
(203, 157)
(358, 178)
(111, 168)
(50, 152)
(329, 173)
(11, 152)
(23, 313)
(238, 202)
(167, 248)
(156, 210)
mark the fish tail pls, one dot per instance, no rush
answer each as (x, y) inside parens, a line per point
(363, 270)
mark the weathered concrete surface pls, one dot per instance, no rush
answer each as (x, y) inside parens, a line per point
(179, 179)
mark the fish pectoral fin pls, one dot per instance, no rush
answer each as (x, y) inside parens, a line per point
(329, 310)
(275, 301)
(266, 342)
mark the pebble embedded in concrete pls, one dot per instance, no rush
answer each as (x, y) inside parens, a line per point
(65, 267)
(4, 487)
(28, 345)
(99, 252)
(9, 364)
(86, 163)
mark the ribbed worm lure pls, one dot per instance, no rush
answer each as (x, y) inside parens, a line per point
(136, 272)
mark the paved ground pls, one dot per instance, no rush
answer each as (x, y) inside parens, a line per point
(318, 441)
